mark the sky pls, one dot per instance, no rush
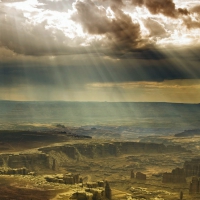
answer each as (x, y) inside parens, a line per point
(100, 50)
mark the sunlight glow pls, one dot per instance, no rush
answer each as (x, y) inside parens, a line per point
(95, 47)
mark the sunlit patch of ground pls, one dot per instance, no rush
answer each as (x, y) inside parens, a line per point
(20, 187)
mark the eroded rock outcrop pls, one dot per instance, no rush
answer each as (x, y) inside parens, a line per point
(96, 150)
(33, 162)
(132, 174)
(93, 191)
(71, 178)
(192, 168)
(194, 185)
(141, 176)
(52, 158)
(64, 178)
(81, 195)
(176, 176)
(108, 191)
(10, 171)
(181, 195)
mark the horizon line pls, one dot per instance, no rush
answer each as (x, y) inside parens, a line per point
(100, 101)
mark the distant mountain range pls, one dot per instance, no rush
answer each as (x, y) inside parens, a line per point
(134, 117)
(188, 133)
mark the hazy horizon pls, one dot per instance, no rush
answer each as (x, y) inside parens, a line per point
(137, 117)
(167, 102)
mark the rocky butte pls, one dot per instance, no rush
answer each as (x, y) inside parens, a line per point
(176, 176)
(192, 167)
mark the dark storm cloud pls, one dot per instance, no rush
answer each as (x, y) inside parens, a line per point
(118, 3)
(165, 7)
(21, 36)
(72, 76)
(156, 54)
(143, 54)
(94, 69)
(195, 21)
(121, 33)
(191, 24)
(121, 36)
(155, 28)
(196, 9)
(16, 75)
(92, 18)
(168, 8)
(183, 11)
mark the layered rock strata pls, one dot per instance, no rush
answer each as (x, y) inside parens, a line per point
(176, 176)
(54, 157)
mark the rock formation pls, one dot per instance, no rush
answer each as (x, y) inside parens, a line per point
(194, 185)
(108, 192)
(91, 184)
(81, 180)
(66, 178)
(132, 174)
(10, 171)
(140, 176)
(97, 194)
(181, 195)
(176, 176)
(111, 149)
(192, 168)
(29, 161)
(188, 133)
(93, 191)
(88, 194)
(101, 184)
(49, 157)
(71, 178)
(81, 196)
(54, 165)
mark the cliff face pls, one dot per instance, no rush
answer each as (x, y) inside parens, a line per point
(111, 149)
(194, 185)
(192, 168)
(53, 157)
(141, 176)
(188, 133)
(32, 162)
(176, 176)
